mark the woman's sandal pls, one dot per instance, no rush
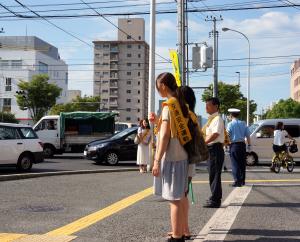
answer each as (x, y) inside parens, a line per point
(186, 237)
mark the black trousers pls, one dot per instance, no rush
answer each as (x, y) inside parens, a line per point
(238, 161)
(215, 163)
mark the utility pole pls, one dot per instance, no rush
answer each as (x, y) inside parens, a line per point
(187, 43)
(181, 39)
(215, 35)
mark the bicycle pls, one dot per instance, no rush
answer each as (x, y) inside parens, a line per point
(284, 159)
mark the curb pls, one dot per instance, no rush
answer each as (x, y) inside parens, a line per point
(60, 173)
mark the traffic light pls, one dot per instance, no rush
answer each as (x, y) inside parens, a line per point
(206, 57)
(202, 57)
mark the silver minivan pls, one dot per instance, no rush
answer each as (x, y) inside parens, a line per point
(262, 135)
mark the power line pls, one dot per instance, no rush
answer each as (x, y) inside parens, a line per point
(172, 11)
(74, 36)
(106, 19)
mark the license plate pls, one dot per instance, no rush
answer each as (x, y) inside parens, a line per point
(84, 153)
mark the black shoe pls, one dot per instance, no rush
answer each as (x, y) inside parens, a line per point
(171, 239)
(212, 204)
(236, 184)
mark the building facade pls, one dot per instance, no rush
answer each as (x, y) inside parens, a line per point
(21, 57)
(295, 80)
(72, 94)
(121, 72)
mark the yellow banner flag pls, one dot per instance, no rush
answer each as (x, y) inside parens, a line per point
(176, 68)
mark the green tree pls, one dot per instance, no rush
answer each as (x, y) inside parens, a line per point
(230, 96)
(38, 96)
(288, 108)
(8, 117)
(86, 103)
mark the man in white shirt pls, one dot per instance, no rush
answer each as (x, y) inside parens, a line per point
(214, 138)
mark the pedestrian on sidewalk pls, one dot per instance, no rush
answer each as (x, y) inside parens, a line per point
(144, 137)
(171, 159)
(238, 133)
(214, 133)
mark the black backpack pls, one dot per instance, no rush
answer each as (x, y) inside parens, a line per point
(196, 148)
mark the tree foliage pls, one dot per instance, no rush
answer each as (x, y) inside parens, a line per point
(38, 95)
(86, 103)
(8, 117)
(230, 96)
(285, 109)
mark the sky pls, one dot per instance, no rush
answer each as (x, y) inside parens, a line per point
(273, 33)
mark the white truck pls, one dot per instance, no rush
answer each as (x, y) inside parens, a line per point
(72, 131)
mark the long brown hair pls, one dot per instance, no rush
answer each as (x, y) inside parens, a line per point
(168, 79)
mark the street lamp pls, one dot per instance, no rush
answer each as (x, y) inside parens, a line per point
(248, 82)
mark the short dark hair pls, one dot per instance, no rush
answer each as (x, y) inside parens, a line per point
(214, 100)
(279, 125)
(235, 114)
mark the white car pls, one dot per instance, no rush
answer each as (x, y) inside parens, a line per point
(20, 146)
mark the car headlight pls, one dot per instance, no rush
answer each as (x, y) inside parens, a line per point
(94, 148)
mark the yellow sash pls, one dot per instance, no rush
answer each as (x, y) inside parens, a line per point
(178, 123)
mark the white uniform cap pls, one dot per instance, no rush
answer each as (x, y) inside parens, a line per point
(234, 110)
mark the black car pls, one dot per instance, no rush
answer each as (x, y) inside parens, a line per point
(120, 146)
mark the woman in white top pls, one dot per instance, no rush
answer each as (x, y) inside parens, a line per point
(279, 136)
(143, 156)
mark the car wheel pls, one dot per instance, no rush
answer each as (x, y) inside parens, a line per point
(251, 159)
(111, 158)
(25, 162)
(49, 151)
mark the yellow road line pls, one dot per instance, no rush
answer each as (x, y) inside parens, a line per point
(7, 237)
(101, 214)
(254, 181)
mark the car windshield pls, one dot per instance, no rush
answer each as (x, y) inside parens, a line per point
(28, 133)
(252, 128)
(121, 134)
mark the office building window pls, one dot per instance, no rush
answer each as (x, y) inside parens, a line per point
(128, 119)
(128, 82)
(139, 64)
(66, 78)
(139, 91)
(16, 64)
(128, 73)
(139, 74)
(104, 91)
(128, 55)
(129, 46)
(139, 101)
(139, 46)
(43, 68)
(128, 36)
(105, 55)
(128, 64)
(139, 83)
(138, 110)
(128, 109)
(6, 105)
(4, 64)
(139, 55)
(128, 100)
(106, 46)
(105, 64)
(140, 37)
(7, 84)
(128, 91)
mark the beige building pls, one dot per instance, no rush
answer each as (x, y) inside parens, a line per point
(72, 94)
(295, 80)
(121, 72)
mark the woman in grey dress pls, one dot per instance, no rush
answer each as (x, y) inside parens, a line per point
(170, 164)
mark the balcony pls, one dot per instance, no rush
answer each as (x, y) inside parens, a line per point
(113, 85)
(113, 103)
(113, 93)
(114, 49)
(114, 57)
(113, 75)
(114, 66)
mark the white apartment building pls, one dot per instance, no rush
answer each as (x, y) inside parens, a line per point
(21, 57)
(295, 80)
(121, 71)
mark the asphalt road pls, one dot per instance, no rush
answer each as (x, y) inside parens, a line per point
(38, 206)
